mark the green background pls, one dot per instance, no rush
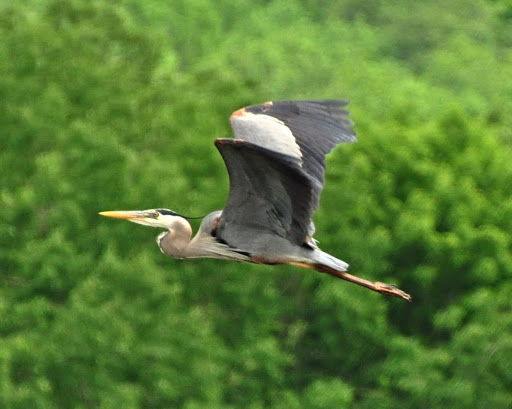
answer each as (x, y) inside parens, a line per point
(115, 105)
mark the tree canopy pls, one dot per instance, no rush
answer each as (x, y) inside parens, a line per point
(115, 105)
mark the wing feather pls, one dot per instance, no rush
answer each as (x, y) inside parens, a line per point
(269, 193)
(276, 166)
(314, 127)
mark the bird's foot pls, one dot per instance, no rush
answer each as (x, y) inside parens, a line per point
(390, 289)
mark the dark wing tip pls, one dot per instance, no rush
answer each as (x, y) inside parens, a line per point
(324, 112)
(293, 105)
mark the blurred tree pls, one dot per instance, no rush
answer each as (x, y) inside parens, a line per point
(116, 104)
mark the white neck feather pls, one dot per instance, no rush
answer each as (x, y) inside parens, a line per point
(176, 240)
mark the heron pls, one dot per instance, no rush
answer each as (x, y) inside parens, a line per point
(276, 167)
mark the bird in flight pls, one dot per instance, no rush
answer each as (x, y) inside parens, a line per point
(276, 166)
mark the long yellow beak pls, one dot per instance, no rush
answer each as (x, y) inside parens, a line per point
(123, 214)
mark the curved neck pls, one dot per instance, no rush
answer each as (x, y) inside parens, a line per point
(175, 241)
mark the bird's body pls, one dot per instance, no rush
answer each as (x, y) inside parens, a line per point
(264, 247)
(276, 166)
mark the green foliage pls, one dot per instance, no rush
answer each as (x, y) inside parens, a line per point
(115, 104)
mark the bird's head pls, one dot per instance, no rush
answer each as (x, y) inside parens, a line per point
(163, 218)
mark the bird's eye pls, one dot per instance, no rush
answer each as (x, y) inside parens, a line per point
(156, 214)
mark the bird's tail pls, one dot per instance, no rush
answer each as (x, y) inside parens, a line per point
(330, 261)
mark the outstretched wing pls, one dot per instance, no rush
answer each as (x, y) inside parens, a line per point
(308, 130)
(276, 166)
(269, 193)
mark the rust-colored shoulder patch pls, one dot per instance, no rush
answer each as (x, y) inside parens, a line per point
(239, 112)
(214, 227)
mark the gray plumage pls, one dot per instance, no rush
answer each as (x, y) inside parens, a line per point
(275, 192)
(276, 166)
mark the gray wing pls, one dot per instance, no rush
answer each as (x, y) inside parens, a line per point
(276, 166)
(307, 130)
(269, 193)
